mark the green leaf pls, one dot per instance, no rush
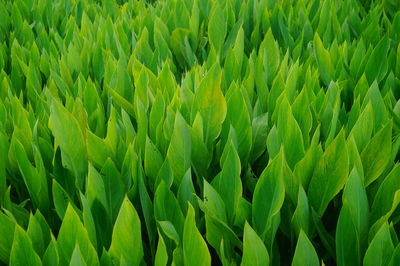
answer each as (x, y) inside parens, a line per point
(277, 88)
(254, 251)
(290, 134)
(385, 195)
(269, 49)
(324, 62)
(304, 169)
(269, 195)
(166, 207)
(169, 230)
(374, 96)
(156, 114)
(121, 101)
(51, 255)
(213, 202)
(194, 22)
(61, 199)
(98, 150)
(76, 258)
(177, 256)
(377, 64)
(161, 258)
(72, 232)
(179, 151)
(35, 180)
(243, 212)
(238, 117)
(195, 250)
(153, 160)
(114, 187)
(165, 174)
(3, 150)
(330, 175)
(354, 157)
(39, 232)
(98, 201)
(360, 90)
(273, 142)
(362, 130)
(69, 136)
(148, 212)
(22, 132)
(377, 154)
(291, 183)
(217, 27)
(260, 134)
(396, 257)
(95, 188)
(385, 218)
(88, 220)
(352, 227)
(106, 259)
(112, 130)
(200, 154)
(357, 58)
(22, 252)
(228, 182)
(302, 114)
(215, 215)
(291, 82)
(301, 216)
(181, 47)
(126, 237)
(305, 253)
(186, 192)
(211, 104)
(380, 249)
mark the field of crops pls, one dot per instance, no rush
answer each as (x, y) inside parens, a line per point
(199, 132)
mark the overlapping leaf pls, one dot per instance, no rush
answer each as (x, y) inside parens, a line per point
(199, 132)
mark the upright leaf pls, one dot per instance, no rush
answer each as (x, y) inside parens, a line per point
(186, 191)
(73, 232)
(269, 48)
(301, 216)
(384, 197)
(238, 117)
(254, 251)
(352, 227)
(324, 61)
(228, 182)
(22, 252)
(211, 104)
(161, 258)
(217, 27)
(179, 151)
(35, 180)
(377, 64)
(166, 207)
(330, 174)
(362, 130)
(305, 253)
(380, 249)
(268, 198)
(39, 232)
(69, 136)
(76, 258)
(195, 250)
(377, 154)
(290, 134)
(126, 241)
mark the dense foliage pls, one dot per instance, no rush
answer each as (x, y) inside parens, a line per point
(192, 132)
